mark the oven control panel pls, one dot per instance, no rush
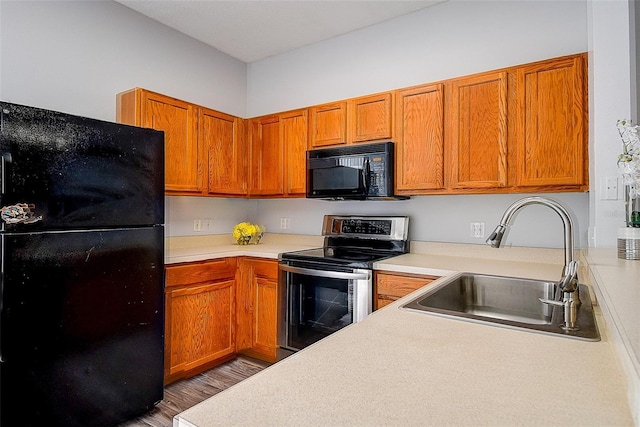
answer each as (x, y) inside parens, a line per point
(376, 227)
(365, 226)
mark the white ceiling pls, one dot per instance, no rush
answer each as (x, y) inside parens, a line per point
(250, 30)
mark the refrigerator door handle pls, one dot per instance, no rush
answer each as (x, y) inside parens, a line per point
(1, 288)
(6, 158)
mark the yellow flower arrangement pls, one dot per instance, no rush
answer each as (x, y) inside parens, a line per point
(245, 231)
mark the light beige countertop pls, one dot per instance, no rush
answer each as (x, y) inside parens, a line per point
(404, 368)
(199, 248)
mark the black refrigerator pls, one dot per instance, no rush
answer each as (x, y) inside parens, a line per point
(82, 277)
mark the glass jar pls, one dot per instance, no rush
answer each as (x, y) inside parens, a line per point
(632, 206)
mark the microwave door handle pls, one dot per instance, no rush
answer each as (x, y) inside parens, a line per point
(366, 171)
(322, 273)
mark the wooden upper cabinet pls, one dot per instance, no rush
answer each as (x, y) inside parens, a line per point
(328, 124)
(370, 118)
(477, 131)
(179, 121)
(364, 119)
(419, 143)
(295, 137)
(518, 129)
(205, 150)
(266, 174)
(223, 138)
(278, 154)
(551, 123)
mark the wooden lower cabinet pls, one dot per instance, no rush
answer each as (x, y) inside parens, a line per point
(257, 308)
(200, 318)
(392, 286)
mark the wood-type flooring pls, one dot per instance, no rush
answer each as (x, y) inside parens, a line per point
(186, 393)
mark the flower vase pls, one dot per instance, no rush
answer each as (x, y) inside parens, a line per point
(256, 238)
(632, 206)
(244, 240)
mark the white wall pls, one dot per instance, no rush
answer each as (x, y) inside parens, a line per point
(447, 40)
(635, 69)
(610, 68)
(74, 56)
(223, 214)
(533, 226)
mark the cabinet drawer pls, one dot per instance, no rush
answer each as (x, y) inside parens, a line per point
(200, 272)
(399, 285)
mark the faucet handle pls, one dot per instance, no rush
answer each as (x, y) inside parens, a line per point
(569, 280)
(551, 302)
(571, 269)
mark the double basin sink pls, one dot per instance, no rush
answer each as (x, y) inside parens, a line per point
(506, 301)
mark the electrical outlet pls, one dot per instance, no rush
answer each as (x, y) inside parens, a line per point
(477, 230)
(285, 223)
(207, 223)
(197, 225)
(610, 188)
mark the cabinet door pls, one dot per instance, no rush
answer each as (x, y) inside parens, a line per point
(257, 308)
(478, 131)
(200, 318)
(551, 123)
(295, 138)
(328, 124)
(200, 325)
(178, 120)
(222, 137)
(393, 286)
(265, 322)
(371, 118)
(266, 174)
(419, 139)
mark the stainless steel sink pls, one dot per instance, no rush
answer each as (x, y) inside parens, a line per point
(506, 301)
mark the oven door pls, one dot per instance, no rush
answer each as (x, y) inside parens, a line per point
(318, 302)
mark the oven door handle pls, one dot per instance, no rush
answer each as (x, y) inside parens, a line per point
(322, 273)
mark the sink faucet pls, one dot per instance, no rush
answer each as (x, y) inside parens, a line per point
(568, 284)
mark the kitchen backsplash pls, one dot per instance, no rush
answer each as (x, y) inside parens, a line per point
(432, 218)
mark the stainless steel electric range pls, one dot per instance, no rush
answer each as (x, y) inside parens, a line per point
(325, 289)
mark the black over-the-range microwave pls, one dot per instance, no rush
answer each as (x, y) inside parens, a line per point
(353, 172)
